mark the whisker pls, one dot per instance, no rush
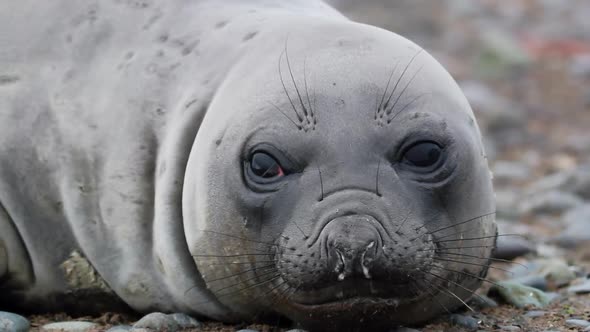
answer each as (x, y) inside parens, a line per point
(260, 268)
(428, 288)
(500, 260)
(285, 114)
(457, 248)
(264, 274)
(403, 223)
(299, 117)
(448, 291)
(471, 275)
(400, 95)
(236, 255)
(400, 78)
(305, 113)
(271, 279)
(474, 228)
(470, 263)
(480, 238)
(237, 263)
(385, 91)
(471, 291)
(242, 239)
(406, 106)
(311, 112)
(458, 223)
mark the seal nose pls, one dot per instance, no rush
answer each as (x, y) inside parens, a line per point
(353, 245)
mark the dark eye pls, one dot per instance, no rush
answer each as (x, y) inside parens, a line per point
(424, 154)
(265, 166)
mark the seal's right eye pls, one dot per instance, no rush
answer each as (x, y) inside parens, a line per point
(265, 166)
(423, 154)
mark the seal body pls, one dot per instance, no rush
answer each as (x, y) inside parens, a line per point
(234, 160)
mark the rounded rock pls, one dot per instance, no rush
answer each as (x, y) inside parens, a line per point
(120, 328)
(577, 323)
(157, 321)
(520, 295)
(185, 321)
(71, 326)
(13, 323)
(468, 322)
(535, 313)
(583, 288)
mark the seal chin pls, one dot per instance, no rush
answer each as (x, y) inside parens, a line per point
(358, 292)
(359, 304)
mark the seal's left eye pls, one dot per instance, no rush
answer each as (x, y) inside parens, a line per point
(265, 166)
(423, 154)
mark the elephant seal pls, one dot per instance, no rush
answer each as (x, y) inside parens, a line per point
(235, 160)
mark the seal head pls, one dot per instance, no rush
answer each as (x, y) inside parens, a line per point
(339, 177)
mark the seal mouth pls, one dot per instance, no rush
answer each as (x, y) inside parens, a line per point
(360, 302)
(356, 291)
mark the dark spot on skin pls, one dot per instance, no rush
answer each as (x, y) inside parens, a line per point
(190, 47)
(190, 103)
(334, 83)
(8, 79)
(58, 207)
(163, 38)
(249, 36)
(221, 24)
(160, 111)
(218, 141)
(68, 75)
(129, 55)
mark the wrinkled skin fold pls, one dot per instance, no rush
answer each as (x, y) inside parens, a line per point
(234, 161)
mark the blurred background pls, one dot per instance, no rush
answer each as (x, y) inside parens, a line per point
(524, 65)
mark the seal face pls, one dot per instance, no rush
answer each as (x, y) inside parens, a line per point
(359, 193)
(237, 162)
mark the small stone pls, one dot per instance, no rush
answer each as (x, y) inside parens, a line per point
(576, 227)
(10, 322)
(467, 322)
(536, 281)
(551, 202)
(535, 313)
(520, 295)
(557, 272)
(510, 171)
(185, 321)
(72, 326)
(510, 247)
(577, 323)
(157, 321)
(583, 288)
(509, 328)
(482, 301)
(120, 328)
(507, 205)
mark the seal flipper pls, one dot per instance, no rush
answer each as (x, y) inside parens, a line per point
(16, 271)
